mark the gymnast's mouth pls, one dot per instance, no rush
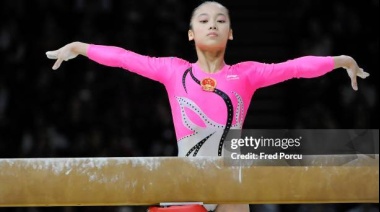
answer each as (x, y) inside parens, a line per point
(212, 34)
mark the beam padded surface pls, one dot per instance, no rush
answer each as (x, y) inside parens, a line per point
(151, 180)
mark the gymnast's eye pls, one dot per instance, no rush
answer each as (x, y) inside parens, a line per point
(221, 21)
(203, 21)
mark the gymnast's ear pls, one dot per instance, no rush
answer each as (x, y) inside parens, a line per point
(190, 34)
(230, 36)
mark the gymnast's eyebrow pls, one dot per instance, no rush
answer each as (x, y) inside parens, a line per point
(222, 14)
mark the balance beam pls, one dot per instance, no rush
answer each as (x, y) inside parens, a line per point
(153, 180)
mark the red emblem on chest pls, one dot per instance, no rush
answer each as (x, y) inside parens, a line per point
(208, 84)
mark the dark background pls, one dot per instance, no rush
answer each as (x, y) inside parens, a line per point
(87, 110)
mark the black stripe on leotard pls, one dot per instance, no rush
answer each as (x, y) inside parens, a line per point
(228, 103)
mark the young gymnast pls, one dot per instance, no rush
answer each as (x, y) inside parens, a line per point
(208, 97)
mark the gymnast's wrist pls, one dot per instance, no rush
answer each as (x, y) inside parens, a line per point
(79, 47)
(344, 61)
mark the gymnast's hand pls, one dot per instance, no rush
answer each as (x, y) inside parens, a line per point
(66, 53)
(353, 72)
(352, 68)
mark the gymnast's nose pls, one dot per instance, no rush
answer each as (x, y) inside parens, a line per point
(213, 25)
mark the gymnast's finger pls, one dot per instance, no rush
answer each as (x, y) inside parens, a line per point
(57, 64)
(52, 54)
(362, 74)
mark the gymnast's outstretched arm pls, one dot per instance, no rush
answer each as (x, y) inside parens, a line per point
(156, 68)
(262, 74)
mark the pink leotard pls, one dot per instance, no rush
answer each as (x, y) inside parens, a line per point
(202, 118)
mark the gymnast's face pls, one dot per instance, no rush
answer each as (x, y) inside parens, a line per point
(210, 27)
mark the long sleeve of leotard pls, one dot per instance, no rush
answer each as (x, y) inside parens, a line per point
(155, 68)
(262, 74)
